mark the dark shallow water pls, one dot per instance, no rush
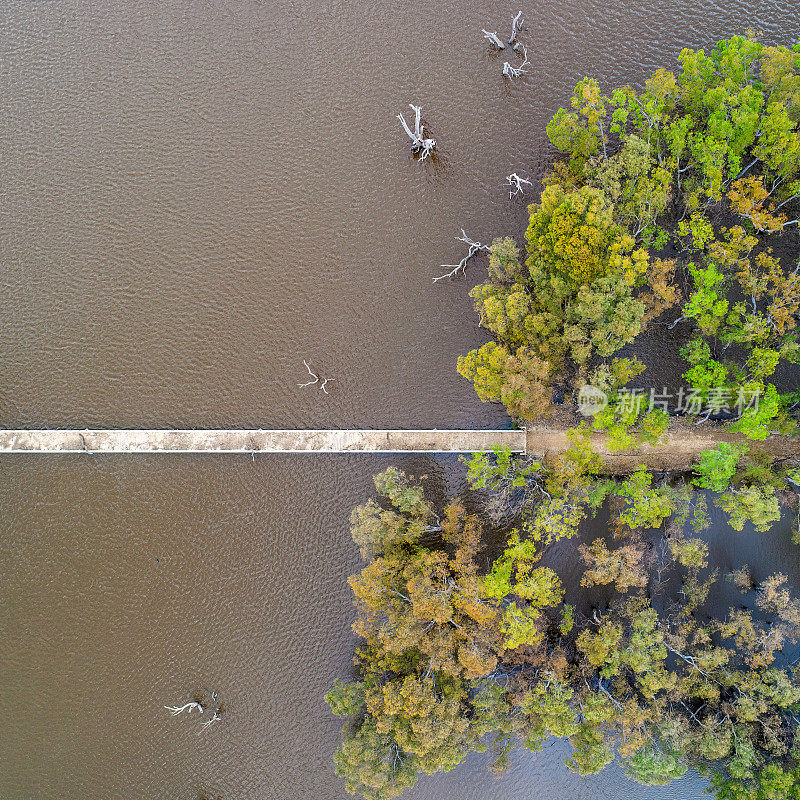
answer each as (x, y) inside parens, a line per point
(194, 198)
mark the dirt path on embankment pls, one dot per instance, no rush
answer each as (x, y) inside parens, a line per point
(682, 444)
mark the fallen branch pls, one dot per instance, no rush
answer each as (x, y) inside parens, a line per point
(214, 718)
(514, 183)
(474, 249)
(672, 325)
(494, 39)
(175, 710)
(316, 380)
(420, 145)
(312, 374)
(517, 26)
(516, 72)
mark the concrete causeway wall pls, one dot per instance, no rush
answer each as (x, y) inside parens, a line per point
(258, 441)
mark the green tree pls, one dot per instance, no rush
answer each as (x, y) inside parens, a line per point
(574, 235)
(603, 317)
(346, 699)
(372, 765)
(580, 132)
(647, 507)
(499, 469)
(718, 466)
(656, 766)
(623, 567)
(754, 504)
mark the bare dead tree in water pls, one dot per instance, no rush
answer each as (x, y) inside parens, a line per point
(474, 249)
(517, 25)
(215, 717)
(316, 379)
(420, 145)
(219, 708)
(207, 700)
(514, 183)
(494, 39)
(312, 374)
(175, 710)
(516, 72)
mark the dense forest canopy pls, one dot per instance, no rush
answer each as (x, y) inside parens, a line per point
(673, 199)
(456, 658)
(676, 204)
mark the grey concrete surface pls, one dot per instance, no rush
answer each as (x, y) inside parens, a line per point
(258, 441)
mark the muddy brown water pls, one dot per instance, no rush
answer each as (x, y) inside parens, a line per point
(193, 198)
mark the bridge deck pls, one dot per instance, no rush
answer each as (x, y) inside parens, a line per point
(258, 441)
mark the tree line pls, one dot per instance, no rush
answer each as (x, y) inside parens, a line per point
(668, 199)
(455, 658)
(666, 206)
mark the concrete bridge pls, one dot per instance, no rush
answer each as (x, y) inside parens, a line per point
(259, 441)
(680, 448)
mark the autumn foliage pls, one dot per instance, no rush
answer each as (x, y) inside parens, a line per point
(459, 656)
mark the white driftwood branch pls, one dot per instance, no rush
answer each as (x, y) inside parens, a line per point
(214, 718)
(406, 128)
(517, 25)
(175, 710)
(516, 72)
(474, 249)
(494, 39)
(312, 374)
(317, 379)
(420, 145)
(419, 129)
(514, 183)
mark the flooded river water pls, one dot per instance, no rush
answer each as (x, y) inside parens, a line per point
(195, 197)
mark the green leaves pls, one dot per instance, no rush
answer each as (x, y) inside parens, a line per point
(707, 304)
(779, 145)
(773, 782)
(581, 132)
(486, 368)
(655, 766)
(452, 653)
(755, 504)
(372, 765)
(603, 317)
(424, 719)
(498, 470)
(346, 699)
(724, 130)
(721, 94)
(575, 235)
(647, 507)
(638, 186)
(718, 466)
(706, 373)
(520, 627)
(376, 530)
(454, 647)
(407, 498)
(548, 712)
(756, 421)
(518, 380)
